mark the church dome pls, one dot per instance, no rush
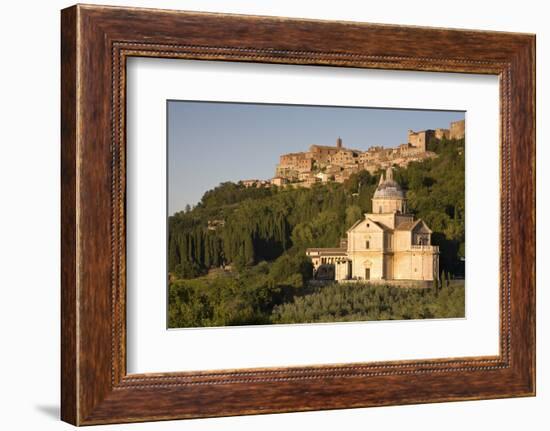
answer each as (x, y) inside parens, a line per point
(389, 188)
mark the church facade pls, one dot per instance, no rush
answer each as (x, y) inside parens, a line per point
(387, 244)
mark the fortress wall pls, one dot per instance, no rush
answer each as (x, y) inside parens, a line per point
(442, 133)
(420, 139)
(376, 157)
(457, 130)
(291, 158)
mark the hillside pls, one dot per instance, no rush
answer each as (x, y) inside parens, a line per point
(259, 235)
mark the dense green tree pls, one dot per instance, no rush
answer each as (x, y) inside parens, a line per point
(254, 297)
(352, 302)
(353, 213)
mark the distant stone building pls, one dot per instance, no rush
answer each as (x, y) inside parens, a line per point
(249, 183)
(344, 157)
(457, 129)
(420, 139)
(301, 169)
(292, 164)
(387, 244)
(255, 183)
(279, 181)
(323, 177)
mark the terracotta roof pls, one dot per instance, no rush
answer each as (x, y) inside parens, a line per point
(408, 225)
(389, 189)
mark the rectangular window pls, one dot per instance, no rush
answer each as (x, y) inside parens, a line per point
(367, 244)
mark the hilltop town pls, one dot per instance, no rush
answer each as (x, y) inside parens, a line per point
(377, 247)
(321, 163)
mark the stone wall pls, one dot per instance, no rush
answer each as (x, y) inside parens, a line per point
(342, 162)
(457, 130)
(420, 139)
(390, 205)
(442, 133)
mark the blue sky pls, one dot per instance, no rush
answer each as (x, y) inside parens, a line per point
(213, 142)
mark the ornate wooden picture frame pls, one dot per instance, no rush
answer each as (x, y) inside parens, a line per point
(96, 41)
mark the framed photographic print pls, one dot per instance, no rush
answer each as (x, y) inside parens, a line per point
(267, 215)
(307, 239)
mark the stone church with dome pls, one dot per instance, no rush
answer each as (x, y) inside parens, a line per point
(387, 244)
